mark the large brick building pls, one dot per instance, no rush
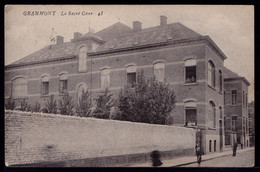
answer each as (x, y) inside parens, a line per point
(192, 65)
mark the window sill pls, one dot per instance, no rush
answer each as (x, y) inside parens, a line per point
(211, 128)
(193, 83)
(43, 96)
(19, 98)
(212, 88)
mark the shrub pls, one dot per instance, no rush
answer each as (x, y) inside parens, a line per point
(66, 105)
(84, 106)
(50, 105)
(10, 105)
(25, 106)
(37, 107)
(148, 101)
(104, 104)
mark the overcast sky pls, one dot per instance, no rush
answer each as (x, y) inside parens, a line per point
(230, 27)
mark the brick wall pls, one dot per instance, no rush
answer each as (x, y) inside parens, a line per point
(38, 137)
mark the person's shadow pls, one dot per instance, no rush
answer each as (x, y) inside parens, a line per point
(155, 155)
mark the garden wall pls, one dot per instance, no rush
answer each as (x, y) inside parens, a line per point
(38, 138)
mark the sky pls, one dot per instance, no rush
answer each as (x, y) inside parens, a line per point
(231, 27)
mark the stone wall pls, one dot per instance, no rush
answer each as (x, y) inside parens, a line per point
(32, 138)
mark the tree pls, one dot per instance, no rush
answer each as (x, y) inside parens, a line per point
(50, 105)
(84, 106)
(66, 105)
(104, 104)
(10, 105)
(148, 101)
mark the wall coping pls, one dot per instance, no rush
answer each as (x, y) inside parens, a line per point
(91, 119)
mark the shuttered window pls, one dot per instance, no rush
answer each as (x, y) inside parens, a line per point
(19, 87)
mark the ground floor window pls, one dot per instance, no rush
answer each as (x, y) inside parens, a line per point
(210, 146)
(131, 79)
(191, 117)
(215, 145)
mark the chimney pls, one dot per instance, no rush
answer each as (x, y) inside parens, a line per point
(60, 39)
(77, 35)
(163, 21)
(137, 26)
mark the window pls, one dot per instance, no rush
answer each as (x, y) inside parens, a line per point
(224, 97)
(212, 115)
(190, 71)
(131, 75)
(159, 71)
(220, 112)
(215, 145)
(233, 123)
(81, 87)
(19, 87)
(234, 97)
(63, 83)
(246, 100)
(190, 113)
(210, 146)
(45, 85)
(246, 126)
(211, 74)
(105, 78)
(220, 81)
(82, 63)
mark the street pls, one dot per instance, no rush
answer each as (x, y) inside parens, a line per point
(243, 159)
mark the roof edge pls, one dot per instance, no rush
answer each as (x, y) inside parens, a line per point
(39, 62)
(237, 78)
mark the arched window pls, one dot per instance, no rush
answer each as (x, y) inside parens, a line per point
(211, 74)
(212, 115)
(45, 85)
(190, 113)
(210, 146)
(81, 88)
(215, 145)
(105, 78)
(220, 112)
(19, 87)
(82, 62)
(220, 81)
(159, 71)
(63, 83)
(190, 71)
(131, 74)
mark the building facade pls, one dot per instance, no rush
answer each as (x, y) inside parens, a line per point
(236, 109)
(190, 63)
(251, 115)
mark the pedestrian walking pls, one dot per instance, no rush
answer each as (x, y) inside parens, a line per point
(155, 155)
(198, 154)
(234, 149)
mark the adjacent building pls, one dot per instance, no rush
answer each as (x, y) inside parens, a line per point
(251, 115)
(236, 109)
(192, 64)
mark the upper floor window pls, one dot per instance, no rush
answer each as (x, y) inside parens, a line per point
(82, 62)
(212, 114)
(19, 87)
(211, 74)
(63, 83)
(131, 75)
(246, 100)
(105, 78)
(190, 71)
(159, 71)
(190, 113)
(234, 97)
(220, 81)
(45, 85)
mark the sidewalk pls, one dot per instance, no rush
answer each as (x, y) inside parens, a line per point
(178, 161)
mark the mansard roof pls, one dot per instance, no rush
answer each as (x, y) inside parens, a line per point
(118, 37)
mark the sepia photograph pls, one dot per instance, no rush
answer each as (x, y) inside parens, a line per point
(129, 86)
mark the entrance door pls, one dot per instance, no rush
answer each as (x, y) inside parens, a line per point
(221, 135)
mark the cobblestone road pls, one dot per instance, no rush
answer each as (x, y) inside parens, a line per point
(245, 159)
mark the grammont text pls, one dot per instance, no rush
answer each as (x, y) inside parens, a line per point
(39, 13)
